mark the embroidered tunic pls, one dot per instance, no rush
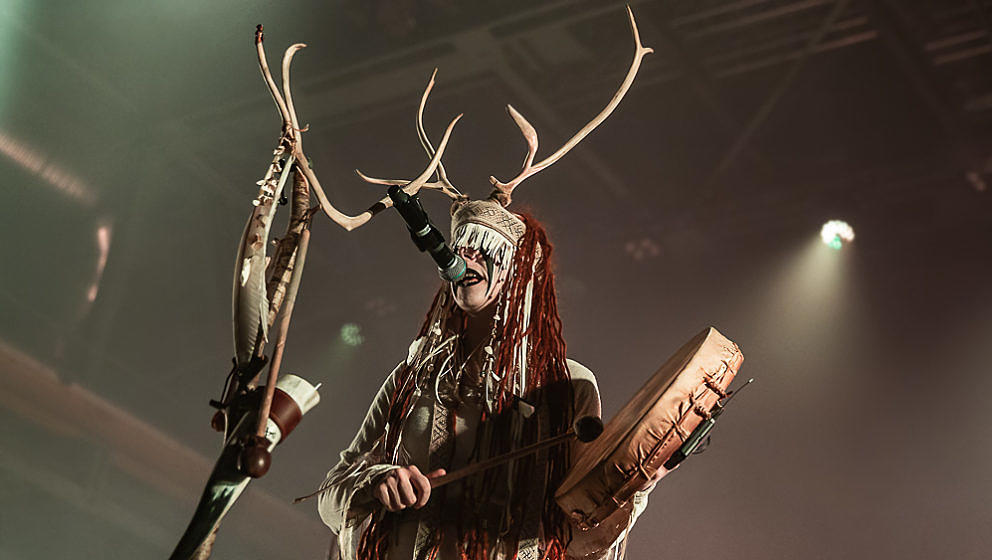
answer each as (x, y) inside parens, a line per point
(347, 504)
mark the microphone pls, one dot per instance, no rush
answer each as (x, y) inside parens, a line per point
(425, 236)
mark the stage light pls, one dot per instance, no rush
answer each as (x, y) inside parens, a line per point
(42, 167)
(103, 242)
(351, 334)
(835, 233)
(642, 249)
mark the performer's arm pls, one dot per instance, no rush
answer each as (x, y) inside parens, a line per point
(348, 499)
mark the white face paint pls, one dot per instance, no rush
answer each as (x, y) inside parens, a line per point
(472, 293)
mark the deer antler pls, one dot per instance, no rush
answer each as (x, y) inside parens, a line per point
(502, 191)
(263, 65)
(442, 184)
(292, 140)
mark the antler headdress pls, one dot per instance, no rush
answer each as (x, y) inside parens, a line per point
(525, 354)
(502, 192)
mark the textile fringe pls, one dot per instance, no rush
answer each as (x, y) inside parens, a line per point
(490, 243)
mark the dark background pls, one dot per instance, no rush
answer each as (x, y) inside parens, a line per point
(699, 202)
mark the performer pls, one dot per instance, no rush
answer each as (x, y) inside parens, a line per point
(487, 374)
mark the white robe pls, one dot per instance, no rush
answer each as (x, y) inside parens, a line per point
(347, 503)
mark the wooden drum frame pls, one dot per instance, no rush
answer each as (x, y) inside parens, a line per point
(649, 429)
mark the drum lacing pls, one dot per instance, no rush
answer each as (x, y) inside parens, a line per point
(644, 473)
(713, 386)
(705, 414)
(676, 423)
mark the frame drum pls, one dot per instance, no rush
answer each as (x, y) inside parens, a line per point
(608, 471)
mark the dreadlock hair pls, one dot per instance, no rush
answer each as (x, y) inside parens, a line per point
(527, 327)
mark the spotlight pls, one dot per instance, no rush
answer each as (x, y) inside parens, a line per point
(835, 232)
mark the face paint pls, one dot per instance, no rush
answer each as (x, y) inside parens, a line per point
(490, 233)
(487, 253)
(490, 274)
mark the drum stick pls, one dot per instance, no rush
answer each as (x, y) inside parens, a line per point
(586, 429)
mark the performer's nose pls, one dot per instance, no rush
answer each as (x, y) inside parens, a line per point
(470, 253)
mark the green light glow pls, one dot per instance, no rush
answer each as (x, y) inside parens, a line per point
(12, 14)
(351, 334)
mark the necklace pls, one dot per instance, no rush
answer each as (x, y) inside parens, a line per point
(455, 384)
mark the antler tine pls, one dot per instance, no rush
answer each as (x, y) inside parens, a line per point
(435, 163)
(442, 183)
(291, 123)
(347, 222)
(412, 187)
(263, 65)
(504, 190)
(530, 134)
(287, 59)
(433, 185)
(425, 141)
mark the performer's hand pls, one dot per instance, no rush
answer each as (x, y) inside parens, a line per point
(405, 487)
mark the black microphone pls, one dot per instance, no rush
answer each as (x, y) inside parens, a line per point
(425, 236)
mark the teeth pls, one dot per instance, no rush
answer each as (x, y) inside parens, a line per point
(471, 278)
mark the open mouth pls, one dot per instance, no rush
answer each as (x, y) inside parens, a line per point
(471, 278)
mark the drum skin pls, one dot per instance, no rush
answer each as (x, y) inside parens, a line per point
(648, 429)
